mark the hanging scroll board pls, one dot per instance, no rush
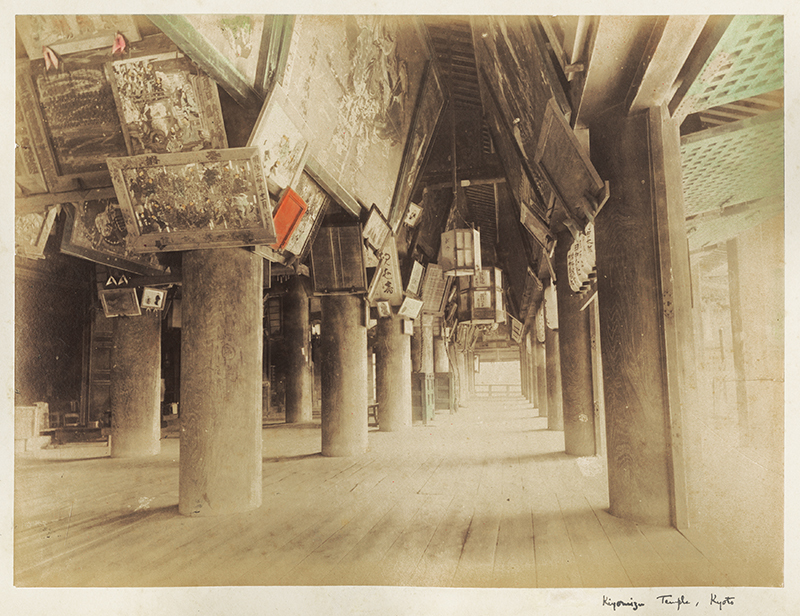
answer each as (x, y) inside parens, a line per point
(568, 168)
(337, 261)
(191, 200)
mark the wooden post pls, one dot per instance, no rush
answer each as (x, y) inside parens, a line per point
(221, 355)
(555, 411)
(343, 338)
(135, 386)
(576, 359)
(645, 313)
(393, 367)
(298, 353)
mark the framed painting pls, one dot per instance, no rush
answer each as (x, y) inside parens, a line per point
(166, 105)
(282, 139)
(66, 34)
(376, 229)
(120, 302)
(191, 200)
(153, 299)
(71, 121)
(428, 112)
(95, 230)
(31, 232)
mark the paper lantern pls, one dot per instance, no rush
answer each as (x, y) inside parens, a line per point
(460, 252)
(480, 297)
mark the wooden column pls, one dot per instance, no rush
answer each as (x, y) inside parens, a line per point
(343, 338)
(298, 352)
(645, 313)
(523, 371)
(393, 374)
(221, 356)
(136, 386)
(555, 411)
(575, 350)
(440, 359)
(541, 377)
(737, 337)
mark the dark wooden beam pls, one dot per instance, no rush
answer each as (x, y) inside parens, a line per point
(670, 43)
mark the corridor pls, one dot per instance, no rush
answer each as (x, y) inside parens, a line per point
(480, 498)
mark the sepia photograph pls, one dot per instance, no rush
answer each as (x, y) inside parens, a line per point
(440, 314)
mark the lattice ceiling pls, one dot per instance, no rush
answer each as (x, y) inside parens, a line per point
(747, 61)
(734, 163)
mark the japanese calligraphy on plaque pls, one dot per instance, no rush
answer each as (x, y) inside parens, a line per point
(386, 284)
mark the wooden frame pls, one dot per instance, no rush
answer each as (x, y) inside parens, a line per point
(566, 165)
(282, 138)
(71, 154)
(120, 302)
(31, 232)
(106, 243)
(427, 115)
(410, 308)
(179, 111)
(28, 175)
(190, 200)
(66, 34)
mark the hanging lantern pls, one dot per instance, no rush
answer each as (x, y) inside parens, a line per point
(480, 297)
(581, 260)
(460, 252)
(551, 306)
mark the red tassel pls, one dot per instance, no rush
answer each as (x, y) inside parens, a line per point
(120, 44)
(50, 58)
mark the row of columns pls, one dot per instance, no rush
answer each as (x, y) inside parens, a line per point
(643, 290)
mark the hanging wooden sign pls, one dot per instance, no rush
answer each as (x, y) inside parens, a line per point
(166, 105)
(414, 287)
(516, 329)
(191, 200)
(287, 217)
(31, 232)
(412, 215)
(122, 302)
(376, 229)
(410, 308)
(153, 299)
(386, 284)
(282, 137)
(337, 261)
(434, 289)
(95, 230)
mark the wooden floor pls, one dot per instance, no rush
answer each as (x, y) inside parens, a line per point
(481, 498)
